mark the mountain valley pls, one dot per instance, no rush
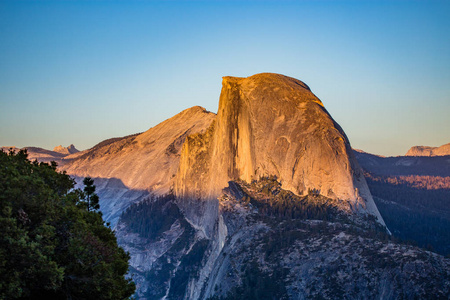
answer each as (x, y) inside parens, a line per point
(412, 194)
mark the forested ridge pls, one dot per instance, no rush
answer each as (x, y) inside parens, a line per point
(146, 219)
(268, 196)
(54, 243)
(415, 208)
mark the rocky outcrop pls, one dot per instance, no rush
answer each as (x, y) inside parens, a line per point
(429, 151)
(66, 150)
(270, 124)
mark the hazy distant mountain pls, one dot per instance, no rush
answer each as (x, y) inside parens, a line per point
(429, 151)
(404, 165)
(44, 155)
(66, 150)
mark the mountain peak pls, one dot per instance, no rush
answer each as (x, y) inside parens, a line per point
(147, 160)
(429, 151)
(266, 79)
(66, 150)
(271, 124)
(193, 110)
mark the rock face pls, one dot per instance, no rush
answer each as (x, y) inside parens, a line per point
(259, 251)
(270, 124)
(128, 169)
(66, 150)
(145, 161)
(429, 151)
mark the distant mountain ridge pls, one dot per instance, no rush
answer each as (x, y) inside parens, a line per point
(404, 165)
(66, 150)
(412, 194)
(36, 153)
(429, 151)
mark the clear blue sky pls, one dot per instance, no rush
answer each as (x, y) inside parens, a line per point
(80, 72)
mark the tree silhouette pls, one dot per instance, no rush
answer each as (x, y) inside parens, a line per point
(91, 196)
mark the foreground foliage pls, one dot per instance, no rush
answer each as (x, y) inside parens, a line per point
(52, 245)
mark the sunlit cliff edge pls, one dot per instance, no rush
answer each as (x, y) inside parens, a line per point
(270, 124)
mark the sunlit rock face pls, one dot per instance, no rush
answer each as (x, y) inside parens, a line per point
(429, 151)
(143, 161)
(66, 150)
(270, 124)
(129, 169)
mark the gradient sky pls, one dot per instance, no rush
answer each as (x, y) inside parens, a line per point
(80, 72)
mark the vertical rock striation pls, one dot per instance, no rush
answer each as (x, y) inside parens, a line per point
(270, 124)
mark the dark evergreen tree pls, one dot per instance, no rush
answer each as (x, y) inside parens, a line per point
(51, 246)
(91, 197)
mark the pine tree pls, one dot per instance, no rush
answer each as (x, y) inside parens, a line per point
(91, 197)
(51, 246)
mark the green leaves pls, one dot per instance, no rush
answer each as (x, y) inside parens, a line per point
(52, 247)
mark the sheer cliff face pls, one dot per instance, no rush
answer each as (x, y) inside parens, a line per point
(270, 124)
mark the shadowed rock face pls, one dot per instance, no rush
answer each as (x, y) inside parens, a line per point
(270, 124)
